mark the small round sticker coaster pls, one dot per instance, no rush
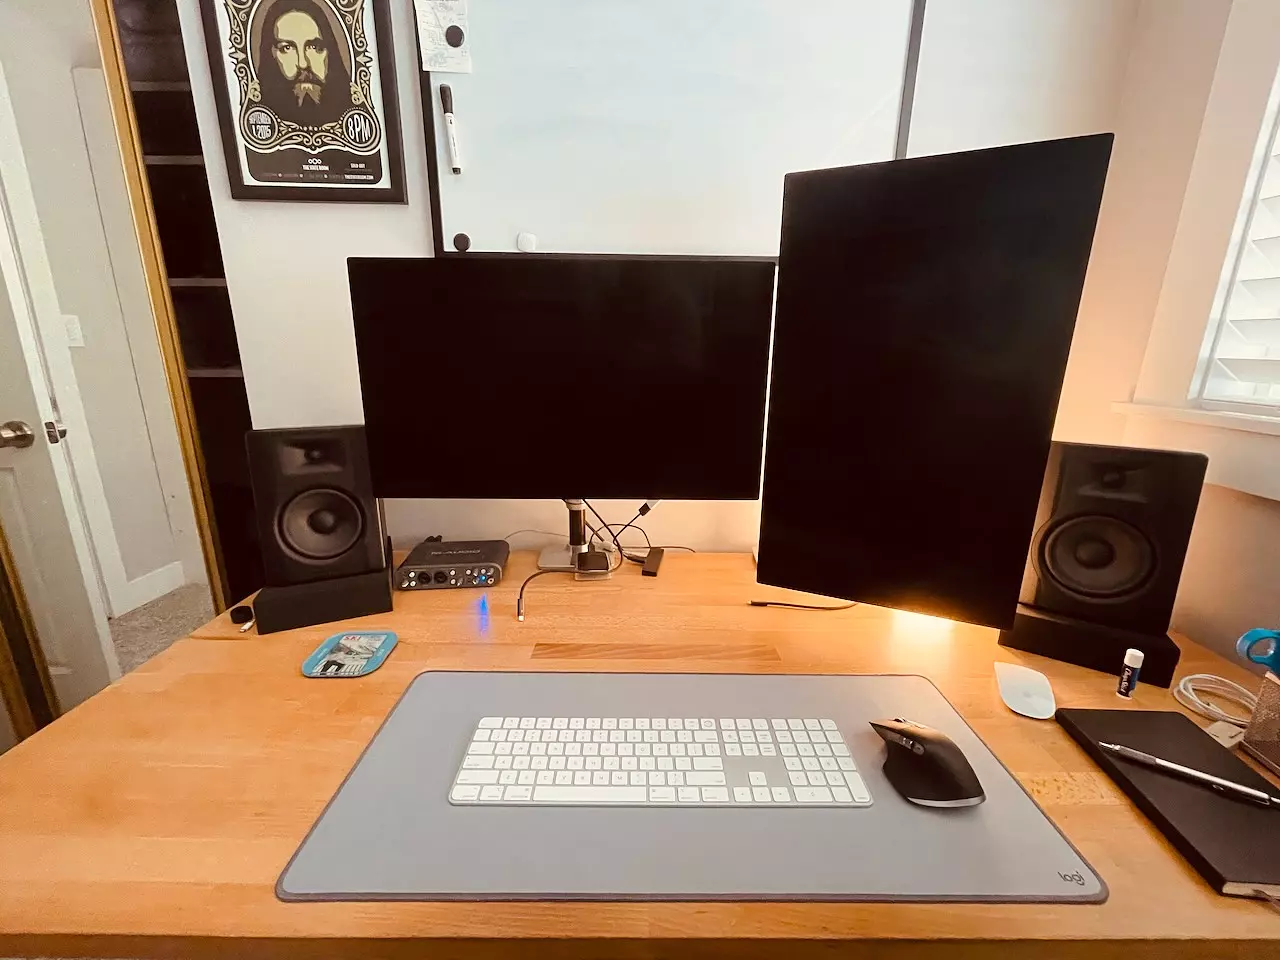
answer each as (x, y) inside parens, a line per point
(353, 654)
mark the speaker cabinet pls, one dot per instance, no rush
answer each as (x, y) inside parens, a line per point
(317, 517)
(1110, 539)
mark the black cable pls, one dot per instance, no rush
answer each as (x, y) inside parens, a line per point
(542, 573)
(800, 606)
(609, 527)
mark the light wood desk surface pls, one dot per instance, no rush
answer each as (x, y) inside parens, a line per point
(154, 819)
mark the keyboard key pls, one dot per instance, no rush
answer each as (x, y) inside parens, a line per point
(834, 779)
(781, 795)
(489, 723)
(555, 749)
(657, 778)
(787, 749)
(593, 723)
(810, 763)
(711, 749)
(639, 778)
(784, 736)
(492, 793)
(498, 736)
(528, 723)
(684, 736)
(626, 749)
(833, 736)
(704, 779)
(661, 750)
(481, 735)
(768, 750)
(704, 736)
(642, 723)
(822, 749)
(746, 736)
(715, 794)
(477, 763)
(648, 763)
(859, 789)
(666, 763)
(510, 723)
(842, 795)
(800, 736)
(520, 749)
(731, 736)
(520, 763)
(659, 723)
(691, 723)
(846, 763)
(813, 795)
(629, 763)
(794, 724)
(840, 750)
(742, 794)
(600, 778)
(732, 750)
(465, 794)
(742, 724)
(828, 724)
(707, 724)
(538, 749)
(556, 763)
(708, 763)
(761, 795)
(563, 777)
(593, 763)
(828, 763)
(573, 749)
(544, 723)
(678, 750)
(816, 779)
(798, 779)
(693, 749)
(577, 763)
(515, 736)
(676, 778)
(666, 736)
(792, 763)
(560, 723)
(581, 778)
(526, 777)
(683, 763)
(750, 750)
(611, 794)
(763, 736)
(544, 776)
(610, 723)
(812, 725)
(726, 724)
(662, 794)
(804, 749)
(626, 723)
(618, 778)
(577, 723)
(757, 778)
(688, 795)
(502, 763)
(478, 776)
(758, 724)
(507, 777)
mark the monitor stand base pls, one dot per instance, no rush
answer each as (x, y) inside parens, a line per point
(558, 558)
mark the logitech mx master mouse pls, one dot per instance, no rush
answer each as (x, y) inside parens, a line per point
(926, 767)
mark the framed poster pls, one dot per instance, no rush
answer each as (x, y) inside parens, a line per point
(306, 98)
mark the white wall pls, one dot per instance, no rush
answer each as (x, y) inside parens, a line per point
(1012, 69)
(40, 45)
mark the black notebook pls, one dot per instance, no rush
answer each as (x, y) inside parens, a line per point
(1233, 843)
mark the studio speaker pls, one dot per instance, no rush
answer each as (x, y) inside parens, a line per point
(319, 527)
(1110, 539)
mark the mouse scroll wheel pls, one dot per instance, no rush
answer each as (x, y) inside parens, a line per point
(917, 748)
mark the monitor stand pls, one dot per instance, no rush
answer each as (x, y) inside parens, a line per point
(566, 557)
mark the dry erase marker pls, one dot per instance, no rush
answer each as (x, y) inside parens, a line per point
(1129, 674)
(450, 127)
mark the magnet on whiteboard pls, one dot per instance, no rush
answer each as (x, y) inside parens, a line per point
(526, 242)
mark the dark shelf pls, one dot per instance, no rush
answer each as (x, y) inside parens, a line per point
(166, 119)
(215, 373)
(188, 283)
(171, 160)
(160, 86)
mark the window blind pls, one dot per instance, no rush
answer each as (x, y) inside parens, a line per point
(1244, 358)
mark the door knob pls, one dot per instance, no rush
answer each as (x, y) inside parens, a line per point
(15, 433)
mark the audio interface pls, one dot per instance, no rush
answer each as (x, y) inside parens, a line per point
(434, 565)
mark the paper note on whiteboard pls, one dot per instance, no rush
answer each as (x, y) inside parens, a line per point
(443, 38)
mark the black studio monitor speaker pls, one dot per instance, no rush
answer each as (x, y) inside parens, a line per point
(1111, 535)
(319, 527)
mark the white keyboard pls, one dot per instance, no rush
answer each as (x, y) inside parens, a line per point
(658, 761)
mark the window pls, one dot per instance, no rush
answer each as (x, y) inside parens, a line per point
(1241, 368)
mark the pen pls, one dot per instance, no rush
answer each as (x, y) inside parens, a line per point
(1229, 787)
(451, 128)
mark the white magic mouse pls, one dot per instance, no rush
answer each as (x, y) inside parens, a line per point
(1025, 691)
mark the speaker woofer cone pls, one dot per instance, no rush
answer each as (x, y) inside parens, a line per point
(1097, 558)
(320, 525)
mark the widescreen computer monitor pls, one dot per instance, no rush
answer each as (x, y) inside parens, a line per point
(925, 311)
(517, 376)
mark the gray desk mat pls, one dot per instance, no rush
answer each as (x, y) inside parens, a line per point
(390, 832)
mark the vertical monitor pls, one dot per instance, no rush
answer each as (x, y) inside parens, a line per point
(924, 314)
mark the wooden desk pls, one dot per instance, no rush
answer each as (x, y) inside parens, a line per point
(154, 819)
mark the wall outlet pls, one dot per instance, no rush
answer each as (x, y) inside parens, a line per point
(75, 335)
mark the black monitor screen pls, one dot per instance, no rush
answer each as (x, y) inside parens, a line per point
(540, 376)
(925, 311)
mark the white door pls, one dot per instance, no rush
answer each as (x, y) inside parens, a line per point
(40, 513)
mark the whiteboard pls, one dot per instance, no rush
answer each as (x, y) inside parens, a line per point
(660, 126)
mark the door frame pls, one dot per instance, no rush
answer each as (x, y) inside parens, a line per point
(126, 124)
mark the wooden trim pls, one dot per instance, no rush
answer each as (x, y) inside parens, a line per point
(25, 688)
(157, 285)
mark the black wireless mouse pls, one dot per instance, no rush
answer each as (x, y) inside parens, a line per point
(925, 767)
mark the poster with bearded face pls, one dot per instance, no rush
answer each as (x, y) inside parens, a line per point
(306, 98)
